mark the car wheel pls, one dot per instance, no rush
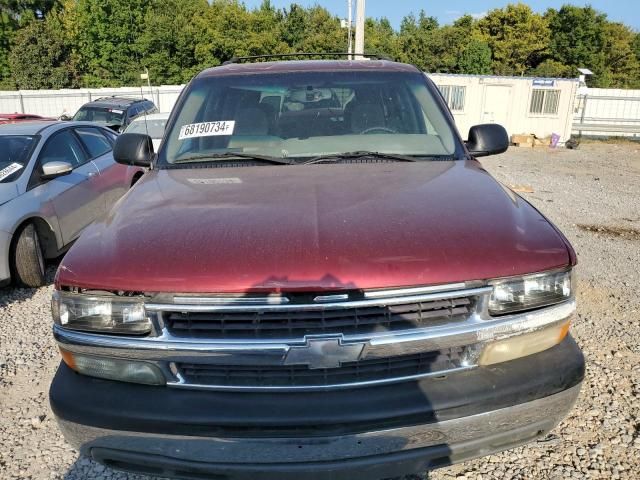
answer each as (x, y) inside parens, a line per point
(28, 260)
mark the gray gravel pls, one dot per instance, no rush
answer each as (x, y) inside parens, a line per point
(592, 194)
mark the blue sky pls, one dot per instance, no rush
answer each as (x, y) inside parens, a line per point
(627, 11)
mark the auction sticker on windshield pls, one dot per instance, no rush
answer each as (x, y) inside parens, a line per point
(206, 129)
(11, 169)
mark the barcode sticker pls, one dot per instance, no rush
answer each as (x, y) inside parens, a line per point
(11, 169)
(207, 129)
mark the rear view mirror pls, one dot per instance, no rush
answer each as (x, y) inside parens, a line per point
(487, 139)
(56, 169)
(133, 149)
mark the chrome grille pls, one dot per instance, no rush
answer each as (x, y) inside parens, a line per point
(298, 323)
(404, 366)
(414, 332)
(317, 340)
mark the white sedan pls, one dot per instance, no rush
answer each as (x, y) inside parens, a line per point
(152, 125)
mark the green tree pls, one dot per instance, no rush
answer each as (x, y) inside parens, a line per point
(223, 32)
(636, 46)
(7, 29)
(168, 43)
(295, 23)
(325, 33)
(475, 58)
(416, 41)
(578, 38)
(106, 40)
(380, 37)
(265, 35)
(41, 57)
(552, 69)
(518, 38)
(28, 9)
(622, 66)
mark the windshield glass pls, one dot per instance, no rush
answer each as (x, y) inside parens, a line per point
(155, 128)
(298, 115)
(103, 115)
(14, 155)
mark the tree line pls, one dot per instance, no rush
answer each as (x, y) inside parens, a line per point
(99, 43)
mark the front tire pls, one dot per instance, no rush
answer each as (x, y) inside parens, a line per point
(28, 260)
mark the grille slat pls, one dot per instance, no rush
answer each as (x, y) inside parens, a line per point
(301, 376)
(296, 324)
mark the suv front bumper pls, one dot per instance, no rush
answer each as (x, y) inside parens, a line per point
(364, 433)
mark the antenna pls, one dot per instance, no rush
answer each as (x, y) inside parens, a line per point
(144, 76)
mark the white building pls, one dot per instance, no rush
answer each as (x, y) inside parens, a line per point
(523, 105)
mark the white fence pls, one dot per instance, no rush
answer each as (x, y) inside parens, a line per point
(53, 103)
(607, 112)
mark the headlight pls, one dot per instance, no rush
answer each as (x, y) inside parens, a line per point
(531, 291)
(99, 313)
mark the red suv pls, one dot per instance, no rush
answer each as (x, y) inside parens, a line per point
(20, 117)
(316, 279)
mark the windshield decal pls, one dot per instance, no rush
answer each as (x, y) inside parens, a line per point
(11, 169)
(119, 112)
(207, 129)
(214, 181)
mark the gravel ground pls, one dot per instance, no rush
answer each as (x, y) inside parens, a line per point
(591, 193)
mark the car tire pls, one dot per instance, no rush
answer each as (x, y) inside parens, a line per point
(28, 260)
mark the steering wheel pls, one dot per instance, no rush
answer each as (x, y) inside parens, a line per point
(380, 129)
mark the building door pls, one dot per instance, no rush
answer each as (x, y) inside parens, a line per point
(497, 104)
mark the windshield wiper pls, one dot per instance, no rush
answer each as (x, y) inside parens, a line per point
(213, 157)
(336, 157)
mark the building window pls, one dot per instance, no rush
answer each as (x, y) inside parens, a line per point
(544, 102)
(454, 95)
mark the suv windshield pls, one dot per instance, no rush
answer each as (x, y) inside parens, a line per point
(309, 115)
(15, 155)
(103, 115)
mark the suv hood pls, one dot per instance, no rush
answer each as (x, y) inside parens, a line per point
(315, 227)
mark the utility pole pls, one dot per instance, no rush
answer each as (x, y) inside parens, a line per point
(349, 26)
(359, 48)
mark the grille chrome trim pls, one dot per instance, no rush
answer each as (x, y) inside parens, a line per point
(331, 298)
(231, 300)
(373, 302)
(397, 292)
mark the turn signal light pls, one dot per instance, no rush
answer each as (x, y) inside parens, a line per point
(523, 345)
(113, 369)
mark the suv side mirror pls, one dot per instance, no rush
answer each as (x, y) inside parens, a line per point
(55, 169)
(487, 139)
(133, 149)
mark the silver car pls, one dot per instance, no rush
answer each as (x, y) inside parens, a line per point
(55, 179)
(152, 125)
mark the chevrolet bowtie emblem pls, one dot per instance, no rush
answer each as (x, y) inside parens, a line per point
(323, 352)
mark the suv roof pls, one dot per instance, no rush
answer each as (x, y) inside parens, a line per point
(307, 65)
(116, 101)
